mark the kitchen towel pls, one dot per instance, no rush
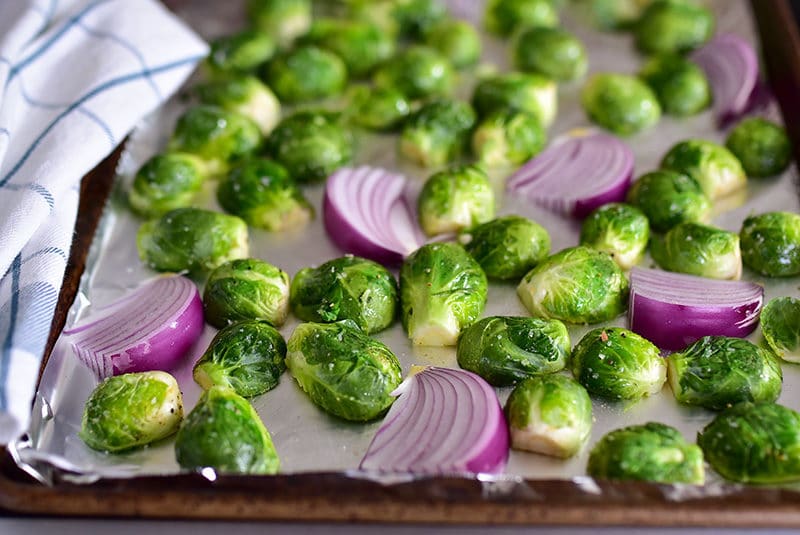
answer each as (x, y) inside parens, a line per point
(75, 77)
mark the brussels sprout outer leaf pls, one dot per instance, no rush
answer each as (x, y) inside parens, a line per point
(508, 137)
(502, 17)
(761, 146)
(780, 325)
(306, 73)
(621, 230)
(437, 133)
(667, 26)
(455, 199)
(507, 247)
(681, 86)
(530, 92)
(713, 166)
(620, 103)
(699, 250)
(165, 182)
(770, 243)
(668, 198)
(552, 52)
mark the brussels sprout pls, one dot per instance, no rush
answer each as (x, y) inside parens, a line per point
(378, 108)
(621, 103)
(306, 73)
(284, 19)
(225, 433)
(576, 285)
(456, 40)
(621, 230)
(668, 26)
(780, 325)
(713, 166)
(350, 288)
(680, 85)
(344, 371)
(552, 52)
(216, 136)
(310, 145)
(414, 18)
(551, 414)
(417, 72)
(131, 410)
(246, 289)
(618, 14)
(508, 137)
(165, 182)
(262, 193)
(437, 133)
(668, 198)
(361, 45)
(507, 247)
(754, 443)
(502, 17)
(716, 372)
(529, 92)
(382, 13)
(505, 349)
(771, 243)
(455, 199)
(442, 291)
(245, 95)
(191, 239)
(240, 53)
(699, 250)
(616, 363)
(651, 452)
(761, 146)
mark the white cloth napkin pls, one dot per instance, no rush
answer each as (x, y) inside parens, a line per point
(75, 77)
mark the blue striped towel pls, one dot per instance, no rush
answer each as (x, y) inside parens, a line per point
(75, 77)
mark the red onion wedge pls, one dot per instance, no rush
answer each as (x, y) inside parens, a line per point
(578, 172)
(672, 310)
(151, 328)
(366, 213)
(445, 421)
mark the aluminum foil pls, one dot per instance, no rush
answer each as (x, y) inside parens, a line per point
(306, 438)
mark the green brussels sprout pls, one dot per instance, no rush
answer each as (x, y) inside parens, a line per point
(239, 53)
(529, 92)
(651, 452)
(505, 349)
(754, 443)
(131, 410)
(507, 247)
(414, 18)
(552, 52)
(618, 14)
(284, 19)
(306, 73)
(246, 289)
(673, 26)
(191, 239)
(761, 146)
(716, 372)
(619, 229)
(381, 13)
(417, 72)
(456, 40)
(454, 199)
(350, 288)
(668, 198)
(378, 108)
(551, 414)
(262, 193)
(246, 357)
(224, 432)
(780, 325)
(507, 138)
(437, 133)
(442, 291)
(245, 95)
(713, 166)
(344, 371)
(359, 44)
(620, 103)
(502, 17)
(575, 285)
(216, 136)
(680, 85)
(699, 250)
(616, 363)
(310, 145)
(165, 182)
(771, 243)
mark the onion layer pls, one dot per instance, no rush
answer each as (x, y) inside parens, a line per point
(577, 173)
(445, 421)
(151, 328)
(366, 213)
(672, 310)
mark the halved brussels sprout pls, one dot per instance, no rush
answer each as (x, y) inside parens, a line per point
(552, 52)
(417, 72)
(437, 133)
(378, 108)
(165, 182)
(508, 137)
(780, 325)
(503, 17)
(699, 250)
(457, 40)
(533, 93)
(361, 45)
(306, 73)
(713, 166)
(621, 103)
(761, 146)
(618, 14)
(771, 243)
(414, 18)
(245, 95)
(668, 198)
(454, 199)
(673, 26)
(239, 53)
(680, 85)
(284, 19)
(621, 230)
